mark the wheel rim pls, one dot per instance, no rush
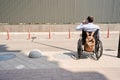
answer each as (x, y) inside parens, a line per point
(100, 50)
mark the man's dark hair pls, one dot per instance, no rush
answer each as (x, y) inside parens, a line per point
(90, 19)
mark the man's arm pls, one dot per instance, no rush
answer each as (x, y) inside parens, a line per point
(79, 27)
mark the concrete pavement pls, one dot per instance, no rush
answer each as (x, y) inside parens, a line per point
(56, 62)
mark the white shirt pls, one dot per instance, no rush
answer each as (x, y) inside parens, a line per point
(90, 27)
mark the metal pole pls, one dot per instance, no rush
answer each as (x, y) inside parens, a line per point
(119, 47)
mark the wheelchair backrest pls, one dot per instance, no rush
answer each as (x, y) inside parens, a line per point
(84, 35)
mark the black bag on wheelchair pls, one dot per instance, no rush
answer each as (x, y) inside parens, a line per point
(89, 45)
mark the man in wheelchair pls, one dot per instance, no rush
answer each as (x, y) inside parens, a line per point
(90, 38)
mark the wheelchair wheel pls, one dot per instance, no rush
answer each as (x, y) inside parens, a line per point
(99, 49)
(79, 48)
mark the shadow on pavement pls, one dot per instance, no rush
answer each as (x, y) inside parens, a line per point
(109, 55)
(49, 74)
(110, 50)
(6, 54)
(74, 55)
(43, 69)
(54, 46)
(4, 48)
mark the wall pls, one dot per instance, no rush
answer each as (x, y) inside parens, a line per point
(54, 28)
(58, 11)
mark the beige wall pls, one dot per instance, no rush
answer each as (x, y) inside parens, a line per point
(54, 28)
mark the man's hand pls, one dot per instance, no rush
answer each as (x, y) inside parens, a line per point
(84, 22)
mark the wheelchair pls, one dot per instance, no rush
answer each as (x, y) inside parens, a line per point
(98, 47)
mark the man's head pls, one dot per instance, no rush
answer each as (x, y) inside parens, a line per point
(90, 19)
